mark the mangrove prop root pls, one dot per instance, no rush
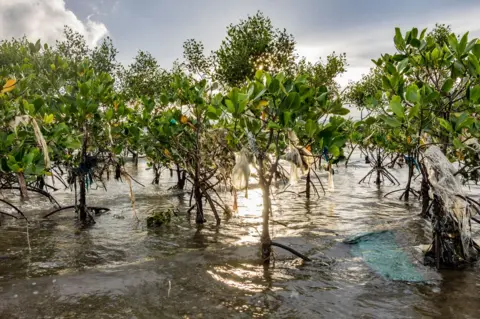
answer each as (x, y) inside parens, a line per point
(321, 184)
(39, 191)
(97, 210)
(397, 190)
(3, 213)
(293, 251)
(15, 208)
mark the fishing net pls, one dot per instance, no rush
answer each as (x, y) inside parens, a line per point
(381, 253)
(452, 213)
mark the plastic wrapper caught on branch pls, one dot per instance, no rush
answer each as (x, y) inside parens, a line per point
(331, 186)
(293, 156)
(25, 120)
(252, 143)
(299, 157)
(292, 136)
(307, 159)
(241, 171)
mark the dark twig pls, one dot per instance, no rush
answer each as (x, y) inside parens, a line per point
(15, 208)
(293, 251)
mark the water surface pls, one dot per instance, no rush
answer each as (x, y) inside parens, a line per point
(118, 268)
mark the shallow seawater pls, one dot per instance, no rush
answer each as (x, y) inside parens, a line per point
(118, 268)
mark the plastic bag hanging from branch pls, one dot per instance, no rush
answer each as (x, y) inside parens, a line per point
(241, 171)
(307, 159)
(293, 156)
(25, 120)
(132, 195)
(331, 186)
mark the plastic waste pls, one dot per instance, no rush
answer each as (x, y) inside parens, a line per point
(241, 170)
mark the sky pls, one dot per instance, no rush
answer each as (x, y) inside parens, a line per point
(363, 29)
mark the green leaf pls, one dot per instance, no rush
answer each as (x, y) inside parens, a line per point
(470, 45)
(415, 43)
(72, 143)
(334, 150)
(274, 86)
(422, 35)
(453, 42)
(230, 106)
(273, 125)
(414, 33)
(412, 94)
(47, 119)
(292, 102)
(463, 44)
(435, 54)
(458, 69)
(28, 159)
(370, 120)
(447, 86)
(311, 128)
(476, 50)
(84, 89)
(464, 121)
(457, 144)
(475, 94)
(109, 114)
(397, 107)
(322, 98)
(10, 139)
(392, 122)
(414, 110)
(445, 124)
(285, 118)
(38, 103)
(398, 39)
(241, 106)
(164, 99)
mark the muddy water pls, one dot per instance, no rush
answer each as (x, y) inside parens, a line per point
(120, 269)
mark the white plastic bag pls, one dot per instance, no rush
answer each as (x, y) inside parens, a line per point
(241, 170)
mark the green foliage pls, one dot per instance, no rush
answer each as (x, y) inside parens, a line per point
(323, 73)
(250, 45)
(160, 218)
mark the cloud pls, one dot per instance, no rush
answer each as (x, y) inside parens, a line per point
(370, 39)
(44, 19)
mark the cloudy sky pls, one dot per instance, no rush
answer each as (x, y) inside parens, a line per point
(361, 28)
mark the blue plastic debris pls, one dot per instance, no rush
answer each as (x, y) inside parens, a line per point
(382, 254)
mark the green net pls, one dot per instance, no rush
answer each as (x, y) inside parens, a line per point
(382, 254)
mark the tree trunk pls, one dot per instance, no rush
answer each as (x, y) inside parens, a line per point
(156, 171)
(23, 185)
(181, 177)
(135, 159)
(350, 155)
(410, 176)
(308, 184)
(425, 188)
(379, 168)
(198, 200)
(82, 207)
(267, 207)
